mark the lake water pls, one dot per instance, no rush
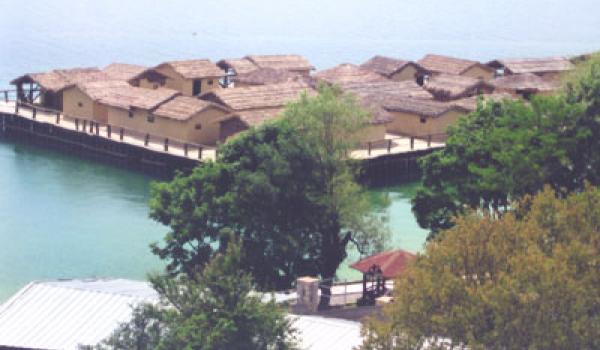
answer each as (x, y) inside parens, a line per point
(65, 217)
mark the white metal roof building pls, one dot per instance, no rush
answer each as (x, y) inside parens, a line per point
(67, 313)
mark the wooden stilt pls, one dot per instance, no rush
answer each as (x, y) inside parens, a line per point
(121, 132)
(369, 148)
(412, 142)
(108, 131)
(167, 145)
(185, 149)
(147, 140)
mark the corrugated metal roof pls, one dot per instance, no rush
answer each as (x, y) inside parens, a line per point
(66, 313)
(320, 333)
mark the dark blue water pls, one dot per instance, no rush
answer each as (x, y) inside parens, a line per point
(64, 217)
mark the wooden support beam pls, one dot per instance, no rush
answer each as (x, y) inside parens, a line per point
(34, 113)
(412, 142)
(199, 152)
(121, 134)
(57, 117)
(167, 144)
(76, 124)
(84, 129)
(369, 148)
(389, 146)
(91, 126)
(6, 96)
(428, 141)
(97, 129)
(185, 149)
(147, 140)
(108, 131)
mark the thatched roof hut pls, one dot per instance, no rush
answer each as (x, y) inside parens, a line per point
(122, 71)
(58, 79)
(401, 88)
(263, 76)
(533, 65)
(427, 108)
(184, 107)
(237, 65)
(294, 63)
(387, 66)
(348, 73)
(451, 87)
(257, 97)
(527, 82)
(129, 96)
(194, 69)
(451, 65)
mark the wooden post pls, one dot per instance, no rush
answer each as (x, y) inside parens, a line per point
(91, 126)
(34, 112)
(428, 141)
(76, 124)
(369, 148)
(389, 146)
(412, 142)
(97, 129)
(167, 144)
(185, 149)
(147, 140)
(5, 96)
(108, 131)
(57, 117)
(84, 129)
(121, 132)
(199, 152)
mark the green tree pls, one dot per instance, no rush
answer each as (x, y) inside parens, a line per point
(529, 280)
(286, 189)
(507, 149)
(215, 310)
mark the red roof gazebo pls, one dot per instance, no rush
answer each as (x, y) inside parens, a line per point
(379, 267)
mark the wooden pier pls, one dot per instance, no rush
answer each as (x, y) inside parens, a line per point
(384, 161)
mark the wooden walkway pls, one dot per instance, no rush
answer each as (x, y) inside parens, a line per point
(391, 145)
(116, 134)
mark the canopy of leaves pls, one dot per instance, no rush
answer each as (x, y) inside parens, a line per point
(290, 198)
(530, 280)
(505, 150)
(215, 310)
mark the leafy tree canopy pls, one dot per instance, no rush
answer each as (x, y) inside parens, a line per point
(215, 310)
(529, 280)
(286, 189)
(505, 150)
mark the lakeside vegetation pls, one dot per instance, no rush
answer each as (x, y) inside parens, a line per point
(512, 205)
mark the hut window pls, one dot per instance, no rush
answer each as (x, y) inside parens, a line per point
(155, 86)
(210, 82)
(198, 126)
(150, 118)
(197, 87)
(423, 120)
(79, 104)
(130, 114)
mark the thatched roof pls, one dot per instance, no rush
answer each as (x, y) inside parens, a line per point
(348, 73)
(289, 62)
(184, 107)
(195, 69)
(388, 66)
(239, 65)
(128, 96)
(402, 88)
(470, 103)
(256, 117)
(59, 79)
(448, 65)
(122, 71)
(526, 82)
(451, 87)
(262, 76)
(98, 90)
(426, 108)
(533, 65)
(257, 97)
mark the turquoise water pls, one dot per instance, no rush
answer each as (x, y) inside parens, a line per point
(63, 217)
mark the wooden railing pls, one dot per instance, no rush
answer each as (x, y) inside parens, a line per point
(388, 143)
(117, 133)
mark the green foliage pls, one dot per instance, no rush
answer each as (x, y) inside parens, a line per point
(529, 280)
(215, 310)
(289, 195)
(505, 150)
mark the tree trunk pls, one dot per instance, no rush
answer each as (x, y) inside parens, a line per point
(325, 287)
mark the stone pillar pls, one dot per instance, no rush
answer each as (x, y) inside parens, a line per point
(307, 289)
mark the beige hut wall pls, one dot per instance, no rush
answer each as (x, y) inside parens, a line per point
(409, 72)
(77, 104)
(186, 86)
(410, 123)
(372, 133)
(170, 128)
(479, 72)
